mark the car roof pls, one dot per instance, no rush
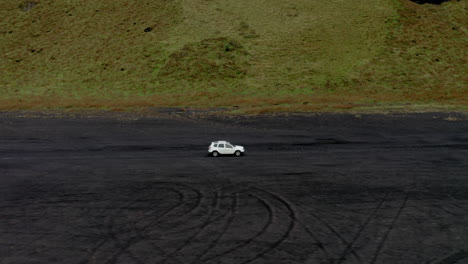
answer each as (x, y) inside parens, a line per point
(220, 141)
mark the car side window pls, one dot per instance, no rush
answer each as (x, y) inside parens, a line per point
(221, 146)
(215, 145)
(228, 146)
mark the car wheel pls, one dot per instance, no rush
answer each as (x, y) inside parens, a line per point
(237, 153)
(215, 154)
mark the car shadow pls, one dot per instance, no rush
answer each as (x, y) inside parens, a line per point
(224, 156)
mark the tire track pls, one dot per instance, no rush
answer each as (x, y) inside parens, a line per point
(187, 215)
(81, 198)
(215, 203)
(392, 225)
(111, 234)
(91, 254)
(349, 247)
(229, 221)
(291, 214)
(272, 212)
(296, 219)
(140, 233)
(190, 210)
(248, 241)
(289, 211)
(333, 231)
(123, 248)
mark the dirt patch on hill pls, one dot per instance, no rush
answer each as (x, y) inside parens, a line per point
(215, 58)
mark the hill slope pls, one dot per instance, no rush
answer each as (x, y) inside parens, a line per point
(290, 55)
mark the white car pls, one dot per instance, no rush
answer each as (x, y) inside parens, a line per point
(223, 147)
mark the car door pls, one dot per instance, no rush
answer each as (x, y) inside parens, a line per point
(229, 149)
(221, 149)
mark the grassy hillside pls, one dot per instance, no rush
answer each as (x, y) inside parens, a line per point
(262, 55)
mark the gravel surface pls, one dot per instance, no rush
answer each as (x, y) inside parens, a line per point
(328, 188)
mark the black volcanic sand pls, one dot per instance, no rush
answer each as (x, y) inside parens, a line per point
(329, 188)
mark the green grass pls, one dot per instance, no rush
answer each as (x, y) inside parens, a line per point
(332, 54)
